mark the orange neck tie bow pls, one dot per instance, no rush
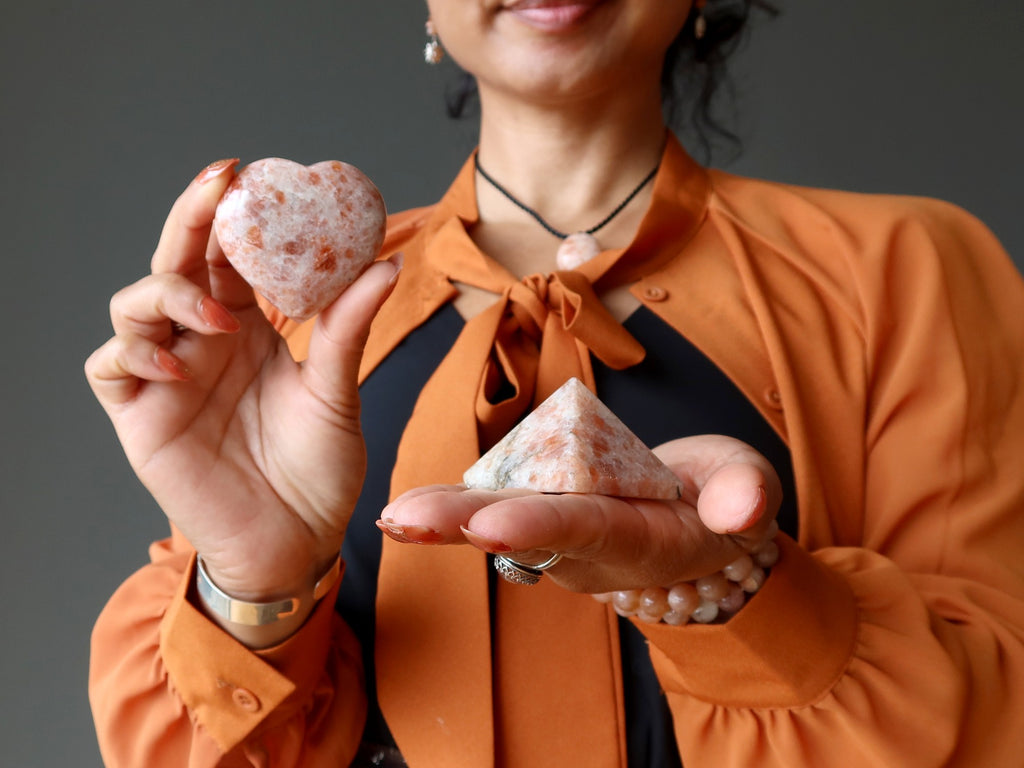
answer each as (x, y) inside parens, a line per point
(458, 681)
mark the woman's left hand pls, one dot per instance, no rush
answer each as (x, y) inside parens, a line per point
(730, 497)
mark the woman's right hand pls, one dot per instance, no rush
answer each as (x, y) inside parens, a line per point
(258, 460)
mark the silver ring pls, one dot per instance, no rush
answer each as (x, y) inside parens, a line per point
(520, 573)
(178, 328)
(550, 562)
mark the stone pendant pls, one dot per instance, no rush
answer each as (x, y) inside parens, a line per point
(576, 249)
(573, 443)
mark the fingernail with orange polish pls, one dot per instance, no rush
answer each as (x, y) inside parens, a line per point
(409, 534)
(213, 170)
(397, 261)
(216, 315)
(172, 365)
(487, 545)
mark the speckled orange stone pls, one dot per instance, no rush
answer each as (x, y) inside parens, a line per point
(300, 235)
(573, 443)
(578, 248)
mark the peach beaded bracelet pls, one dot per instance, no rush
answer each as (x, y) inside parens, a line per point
(720, 594)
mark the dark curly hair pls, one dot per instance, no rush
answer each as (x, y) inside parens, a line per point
(693, 75)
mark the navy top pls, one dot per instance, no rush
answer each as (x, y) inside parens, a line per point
(676, 391)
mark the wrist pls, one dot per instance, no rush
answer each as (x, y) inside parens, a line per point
(712, 598)
(261, 623)
(269, 579)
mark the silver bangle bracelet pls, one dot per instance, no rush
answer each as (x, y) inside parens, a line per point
(238, 611)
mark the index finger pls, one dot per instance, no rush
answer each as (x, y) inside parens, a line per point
(442, 509)
(186, 233)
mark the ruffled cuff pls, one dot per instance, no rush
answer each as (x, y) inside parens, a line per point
(788, 645)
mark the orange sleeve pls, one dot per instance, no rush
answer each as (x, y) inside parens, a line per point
(170, 688)
(905, 647)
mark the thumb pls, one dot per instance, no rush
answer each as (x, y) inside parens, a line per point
(336, 346)
(736, 500)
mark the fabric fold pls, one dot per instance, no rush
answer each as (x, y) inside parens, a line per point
(434, 613)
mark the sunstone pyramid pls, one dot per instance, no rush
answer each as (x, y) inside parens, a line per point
(573, 443)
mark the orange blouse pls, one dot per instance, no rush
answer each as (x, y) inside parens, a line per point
(880, 336)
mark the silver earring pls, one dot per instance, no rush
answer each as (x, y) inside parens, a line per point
(700, 24)
(432, 51)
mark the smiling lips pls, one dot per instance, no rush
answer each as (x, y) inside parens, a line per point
(551, 15)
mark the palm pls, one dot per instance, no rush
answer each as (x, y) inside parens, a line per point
(245, 458)
(256, 459)
(732, 495)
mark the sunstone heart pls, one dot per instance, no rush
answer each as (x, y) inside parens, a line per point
(300, 235)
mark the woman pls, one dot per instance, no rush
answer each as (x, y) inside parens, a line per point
(853, 349)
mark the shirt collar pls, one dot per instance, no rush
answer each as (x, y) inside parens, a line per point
(677, 207)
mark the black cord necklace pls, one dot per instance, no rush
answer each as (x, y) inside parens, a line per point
(576, 247)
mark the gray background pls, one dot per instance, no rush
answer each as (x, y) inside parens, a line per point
(109, 108)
